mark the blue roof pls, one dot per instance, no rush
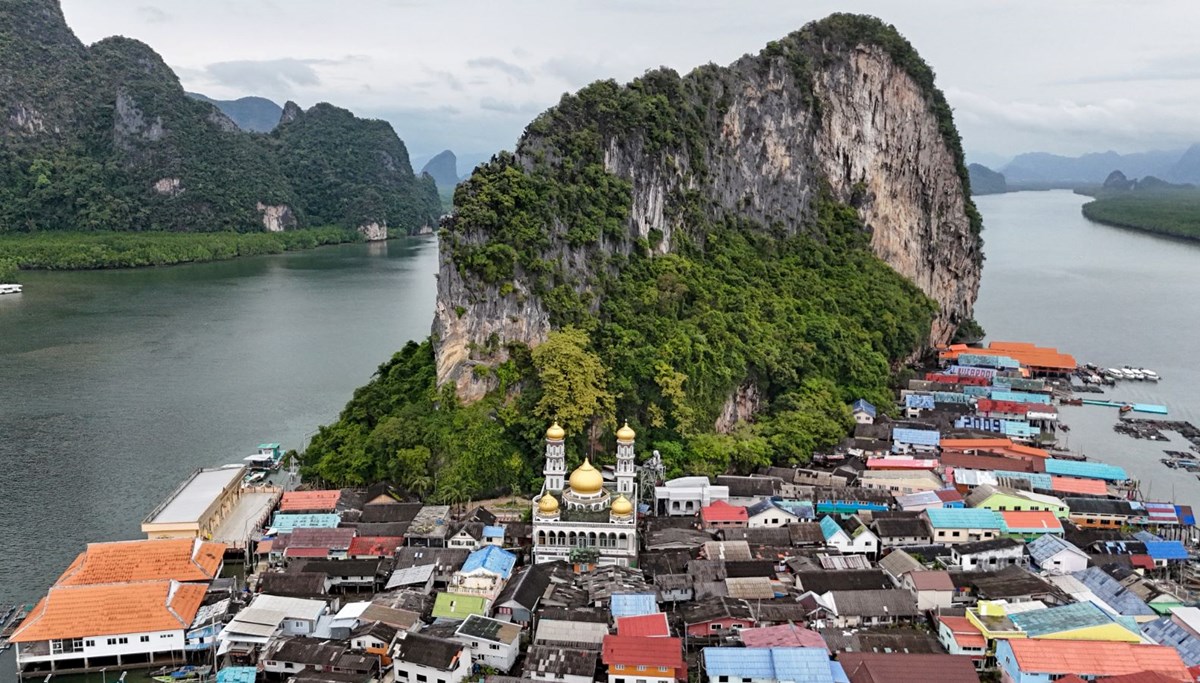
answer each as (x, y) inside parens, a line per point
(493, 531)
(237, 674)
(633, 604)
(829, 527)
(919, 401)
(801, 508)
(808, 664)
(1166, 550)
(491, 559)
(1070, 617)
(964, 518)
(920, 437)
(1036, 480)
(283, 523)
(1089, 470)
(839, 674)
(1164, 631)
(862, 405)
(1113, 593)
(1048, 546)
(1019, 397)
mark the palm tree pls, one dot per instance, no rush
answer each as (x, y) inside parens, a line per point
(419, 483)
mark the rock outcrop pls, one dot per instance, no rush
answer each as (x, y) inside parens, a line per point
(374, 231)
(825, 112)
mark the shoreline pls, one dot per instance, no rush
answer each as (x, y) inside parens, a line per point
(90, 251)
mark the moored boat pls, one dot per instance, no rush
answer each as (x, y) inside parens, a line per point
(10, 289)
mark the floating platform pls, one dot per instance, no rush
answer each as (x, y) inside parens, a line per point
(1137, 407)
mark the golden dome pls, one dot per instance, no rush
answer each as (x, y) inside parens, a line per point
(547, 504)
(586, 479)
(555, 433)
(625, 433)
(622, 506)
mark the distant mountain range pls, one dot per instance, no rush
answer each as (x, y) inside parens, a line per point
(1177, 166)
(253, 114)
(443, 167)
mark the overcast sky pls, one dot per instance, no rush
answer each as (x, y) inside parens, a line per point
(1064, 76)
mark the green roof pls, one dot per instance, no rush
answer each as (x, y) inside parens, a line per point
(459, 606)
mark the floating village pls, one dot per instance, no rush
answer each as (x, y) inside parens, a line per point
(949, 538)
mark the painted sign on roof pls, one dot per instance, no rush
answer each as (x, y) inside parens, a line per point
(919, 401)
(951, 397)
(965, 371)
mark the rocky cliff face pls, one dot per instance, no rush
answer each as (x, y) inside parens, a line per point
(122, 147)
(842, 109)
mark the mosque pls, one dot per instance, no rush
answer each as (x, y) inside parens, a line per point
(582, 517)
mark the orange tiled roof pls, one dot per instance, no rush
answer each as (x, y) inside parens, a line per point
(182, 559)
(965, 633)
(1095, 487)
(105, 610)
(1029, 450)
(1024, 353)
(309, 500)
(1031, 519)
(1096, 658)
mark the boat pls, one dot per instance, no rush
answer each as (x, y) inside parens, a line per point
(1116, 373)
(1150, 375)
(1134, 373)
(10, 289)
(254, 478)
(1126, 408)
(183, 673)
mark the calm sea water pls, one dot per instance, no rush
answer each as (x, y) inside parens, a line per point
(1109, 296)
(114, 385)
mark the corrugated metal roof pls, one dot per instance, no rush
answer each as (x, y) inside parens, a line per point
(919, 437)
(492, 560)
(1116, 596)
(283, 523)
(1166, 550)
(1059, 619)
(1050, 545)
(1164, 631)
(964, 518)
(633, 604)
(1087, 470)
(864, 406)
(808, 664)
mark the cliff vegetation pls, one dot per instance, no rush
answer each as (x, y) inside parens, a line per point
(713, 257)
(103, 138)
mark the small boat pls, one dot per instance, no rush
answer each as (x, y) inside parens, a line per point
(254, 478)
(1134, 373)
(1116, 373)
(10, 289)
(1126, 408)
(1150, 375)
(183, 673)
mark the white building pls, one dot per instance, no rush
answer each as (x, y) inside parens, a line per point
(492, 642)
(266, 617)
(996, 553)
(425, 659)
(1056, 555)
(765, 514)
(683, 497)
(850, 536)
(582, 517)
(84, 626)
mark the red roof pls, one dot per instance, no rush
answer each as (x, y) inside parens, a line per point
(905, 667)
(375, 546)
(1028, 355)
(784, 635)
(1142, 561)
(1031, 520)
(966, 634)
(645, 625)
(720, 511)
(640, 651)
(972, 444)
(937, 580)
(306, 552)
(901, 464)
(987, 405)
(990, 462)
(948, 495)
(1096, 658)
(314, 501)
